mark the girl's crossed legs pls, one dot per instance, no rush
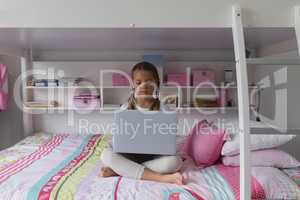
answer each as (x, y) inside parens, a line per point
(162, 169)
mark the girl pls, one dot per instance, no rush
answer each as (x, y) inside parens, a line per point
(143, 166)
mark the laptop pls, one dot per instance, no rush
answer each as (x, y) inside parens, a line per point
(147, 132)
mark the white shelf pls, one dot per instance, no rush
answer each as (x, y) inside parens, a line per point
(109, 107)
(202, 87)
(187, 86)
(273, 61)
(76, 87)
(113, 108)
(58, 87)
(183, 108)
(58, 108)
(115, 87)
(105, 107)
(44, 108)
(207, 108)
(127, 87)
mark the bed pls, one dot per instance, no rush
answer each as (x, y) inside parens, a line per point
(67, 166)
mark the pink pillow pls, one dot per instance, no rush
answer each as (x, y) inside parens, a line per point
(265, 158)
(204, 144)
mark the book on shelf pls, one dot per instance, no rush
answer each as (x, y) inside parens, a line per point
(62, 82)
(69, 81)
(43, 82)
(40, 84)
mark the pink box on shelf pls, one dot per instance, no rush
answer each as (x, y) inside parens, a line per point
(201, 76)
(119, 80)
(180, 78)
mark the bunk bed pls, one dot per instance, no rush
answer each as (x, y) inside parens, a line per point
(32, 168)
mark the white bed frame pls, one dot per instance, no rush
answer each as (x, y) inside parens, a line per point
(243, 101)
(241, 67)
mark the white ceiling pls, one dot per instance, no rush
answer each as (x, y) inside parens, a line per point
(137, 38)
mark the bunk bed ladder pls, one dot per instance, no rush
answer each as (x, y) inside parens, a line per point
(243, 102)
(243, 95)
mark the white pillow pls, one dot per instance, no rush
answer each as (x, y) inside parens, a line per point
(232, 147)
(265, 158)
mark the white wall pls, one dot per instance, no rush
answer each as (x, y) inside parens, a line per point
(143, 13)
(294, 108)
(11, 121)
(293, 89)
(293, 99)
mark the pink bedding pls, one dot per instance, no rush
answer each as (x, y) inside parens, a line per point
(66, 166)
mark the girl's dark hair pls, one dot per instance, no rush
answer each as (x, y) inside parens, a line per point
(149, 67)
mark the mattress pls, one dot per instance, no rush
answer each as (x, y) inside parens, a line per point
(66, 166)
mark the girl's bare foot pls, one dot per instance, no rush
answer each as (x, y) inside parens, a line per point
(175, 178)
(108, 172)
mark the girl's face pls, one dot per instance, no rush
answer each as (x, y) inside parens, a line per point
(144, 83)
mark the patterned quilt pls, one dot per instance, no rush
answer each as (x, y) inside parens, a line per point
(66, 167)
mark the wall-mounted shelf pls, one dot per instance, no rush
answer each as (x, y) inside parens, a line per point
(181, 109)
(26, 108)
(128, 87)
(58, 108)
(76, 87)
(61, 110)
(117, 95)
(117, 107)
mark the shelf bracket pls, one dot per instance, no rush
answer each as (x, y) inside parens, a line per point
(243, 102)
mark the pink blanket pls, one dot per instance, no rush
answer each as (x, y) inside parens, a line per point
(64, 166)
